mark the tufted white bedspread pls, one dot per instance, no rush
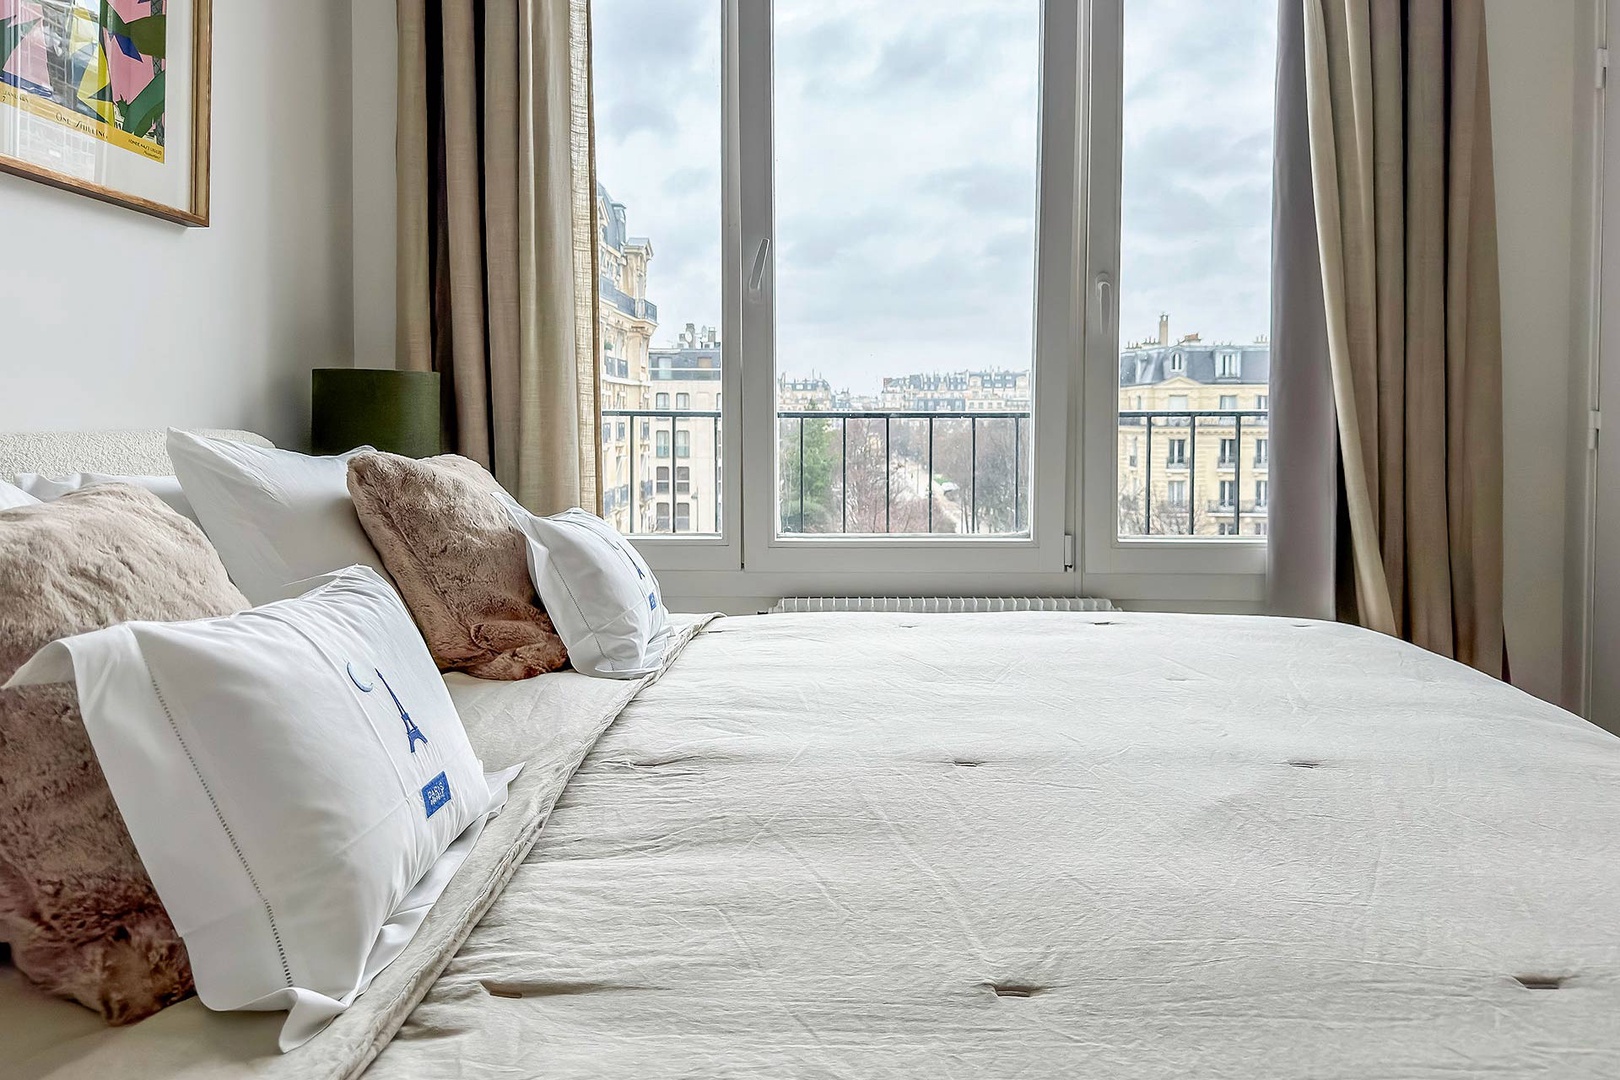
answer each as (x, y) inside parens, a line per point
(1056, 845)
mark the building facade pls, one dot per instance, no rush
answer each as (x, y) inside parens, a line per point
(1194, 437)
(684, 431)
(627, 322)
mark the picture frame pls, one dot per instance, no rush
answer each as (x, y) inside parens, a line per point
(110, 99)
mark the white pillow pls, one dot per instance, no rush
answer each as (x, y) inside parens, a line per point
(601, 596)
(49, 489)
(12, 497)
(275, 517)
(291, 775)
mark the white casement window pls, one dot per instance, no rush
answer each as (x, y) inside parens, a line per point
(662, 487)
(1260, 452)
(1228, 493)
(931, 297)
(1261, 490)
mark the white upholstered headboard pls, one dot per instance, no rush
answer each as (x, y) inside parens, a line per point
(129, 453)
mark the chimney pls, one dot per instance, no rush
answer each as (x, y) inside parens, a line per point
(1164, 329)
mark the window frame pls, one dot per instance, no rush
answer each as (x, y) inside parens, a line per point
(1074, 546)
(1157, 569)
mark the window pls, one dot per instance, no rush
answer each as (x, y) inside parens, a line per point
(1228, 493)
(931, 159)
(1261, 487)
(619, 431)
(874, 207)
(662, 487)
(1192, 320)
(1262, 402)
(1259, 528)
(683, 517)
(607, 432)
(1228, 452)
(1260, 451)
(1227, 528)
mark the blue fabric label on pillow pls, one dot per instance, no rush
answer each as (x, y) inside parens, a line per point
(436, 793)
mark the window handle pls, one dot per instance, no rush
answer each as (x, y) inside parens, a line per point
(757, 277)
(1105, 302)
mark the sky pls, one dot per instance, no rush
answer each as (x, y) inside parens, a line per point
(906, 166)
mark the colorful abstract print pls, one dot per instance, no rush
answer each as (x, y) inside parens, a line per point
(94, 66)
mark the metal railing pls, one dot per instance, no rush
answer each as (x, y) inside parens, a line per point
(1185, 425)
(963, 513)
(672, 422)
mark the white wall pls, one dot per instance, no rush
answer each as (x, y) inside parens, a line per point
(375, 56)
(222, 324)
(1533, 50)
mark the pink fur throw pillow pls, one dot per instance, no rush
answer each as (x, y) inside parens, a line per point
(76, 906)
(462, 567)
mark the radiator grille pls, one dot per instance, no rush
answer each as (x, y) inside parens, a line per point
(940, 604)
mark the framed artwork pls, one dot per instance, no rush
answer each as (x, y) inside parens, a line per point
(109, 98)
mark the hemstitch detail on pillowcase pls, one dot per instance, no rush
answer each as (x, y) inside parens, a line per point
(270, 915)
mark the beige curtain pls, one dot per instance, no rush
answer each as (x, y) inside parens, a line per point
(1398, 104)
(497, 276)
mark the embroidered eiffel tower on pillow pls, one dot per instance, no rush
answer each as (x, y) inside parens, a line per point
(413, 734)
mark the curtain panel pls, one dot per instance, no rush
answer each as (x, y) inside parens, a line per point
(496, 236)
(1397, 104)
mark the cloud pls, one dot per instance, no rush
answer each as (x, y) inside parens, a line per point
(905, 150)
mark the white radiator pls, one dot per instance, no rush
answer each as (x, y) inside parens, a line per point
(940, 604)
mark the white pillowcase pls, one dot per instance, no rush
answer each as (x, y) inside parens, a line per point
(49, 489)
(12, 497)
(601, 596)
(276, 518)
(291, 776)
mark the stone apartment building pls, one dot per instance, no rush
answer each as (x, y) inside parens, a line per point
(1197, 465)
(686, 477)
(627, 321)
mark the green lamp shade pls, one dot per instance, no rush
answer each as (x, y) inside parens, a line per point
(396, 411)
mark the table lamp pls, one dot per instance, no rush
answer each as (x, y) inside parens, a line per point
(395, 411)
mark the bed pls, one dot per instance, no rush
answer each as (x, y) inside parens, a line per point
(1033, 844)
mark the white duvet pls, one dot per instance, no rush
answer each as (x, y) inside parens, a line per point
(1022, 845)
(1057, 845)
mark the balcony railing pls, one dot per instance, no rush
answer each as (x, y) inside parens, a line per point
(646, 490)
(862, 473)
(1186, 508)
(926, 472)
